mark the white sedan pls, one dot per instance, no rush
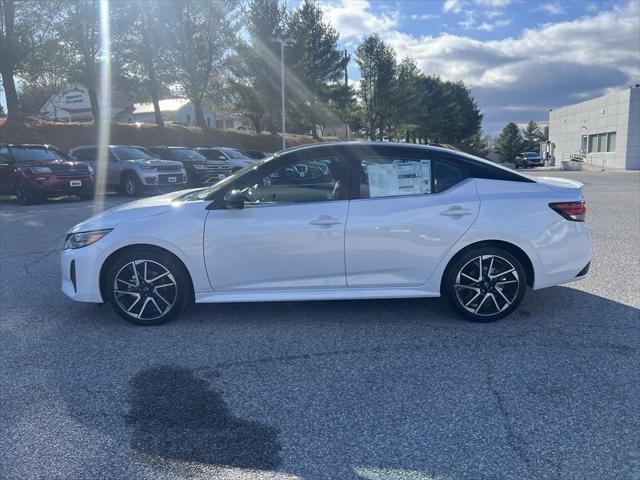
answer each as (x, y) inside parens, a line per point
(336, 221)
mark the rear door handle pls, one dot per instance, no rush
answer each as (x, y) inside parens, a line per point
(456, 212)
(324, 221)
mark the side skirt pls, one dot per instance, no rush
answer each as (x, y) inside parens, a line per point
(319, 294)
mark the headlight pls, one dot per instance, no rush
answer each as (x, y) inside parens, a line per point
(147, 167)
(199, 166)
(40, 169)
(84, 239)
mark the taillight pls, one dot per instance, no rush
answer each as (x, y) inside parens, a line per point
(573, 211)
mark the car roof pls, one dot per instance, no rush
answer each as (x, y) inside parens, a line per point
(380, 147)
(28, 145)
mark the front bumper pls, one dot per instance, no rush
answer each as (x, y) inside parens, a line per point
(50, 185)
(80, 271)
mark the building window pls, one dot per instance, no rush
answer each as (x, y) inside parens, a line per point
(583, 145)
(601, 142)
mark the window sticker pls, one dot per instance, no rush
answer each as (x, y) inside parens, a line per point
(402, 177)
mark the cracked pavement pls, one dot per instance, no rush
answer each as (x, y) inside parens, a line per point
(374, 390)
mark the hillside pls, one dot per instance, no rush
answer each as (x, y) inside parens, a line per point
(68, 135)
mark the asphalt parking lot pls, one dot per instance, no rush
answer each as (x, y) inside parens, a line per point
(374, 390)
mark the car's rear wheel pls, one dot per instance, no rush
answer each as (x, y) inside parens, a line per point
(147, 287)
(485, 284)
(25, 196)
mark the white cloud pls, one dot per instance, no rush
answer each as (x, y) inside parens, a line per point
(354, 18)
(487, 27)
(424, 16)
(454, 6)
(556, 64)
(551, 8)
(493, 3)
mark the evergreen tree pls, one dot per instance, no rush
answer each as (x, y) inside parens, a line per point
(202, 37)
(317, 66)
(377, 62)
(256, 79)
(532, 136)
(509, 143)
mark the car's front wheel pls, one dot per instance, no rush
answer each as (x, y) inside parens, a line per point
(25, 196)
(147, 287)
(485, 284)
(130, 185)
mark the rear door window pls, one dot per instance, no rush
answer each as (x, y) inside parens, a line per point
(393, 176)
(446, 175)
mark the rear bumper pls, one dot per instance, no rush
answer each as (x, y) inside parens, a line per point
(564, 254)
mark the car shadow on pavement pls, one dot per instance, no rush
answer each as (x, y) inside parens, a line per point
(175, 416)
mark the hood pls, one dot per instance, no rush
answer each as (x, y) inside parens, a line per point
(153, 162)
(129, 211)
(51, 163)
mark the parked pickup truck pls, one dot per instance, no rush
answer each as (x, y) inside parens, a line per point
(35, 172)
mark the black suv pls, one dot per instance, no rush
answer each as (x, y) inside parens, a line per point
(200, 170)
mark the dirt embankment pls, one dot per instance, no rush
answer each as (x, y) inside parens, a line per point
(69, 135)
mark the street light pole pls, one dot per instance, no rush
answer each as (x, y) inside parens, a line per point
(286, 42)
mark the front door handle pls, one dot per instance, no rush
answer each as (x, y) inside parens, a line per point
(456, 212)
(324, 221)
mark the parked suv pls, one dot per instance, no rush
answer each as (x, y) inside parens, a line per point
(134, 170)
(34, 172)
(234, 157)
(529, 160)
(200, 170)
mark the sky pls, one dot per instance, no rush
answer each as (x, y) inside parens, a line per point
(519, 57)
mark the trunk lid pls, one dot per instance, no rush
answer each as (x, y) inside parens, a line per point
(557, 184)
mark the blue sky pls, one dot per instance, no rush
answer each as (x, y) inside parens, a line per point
(520, 57)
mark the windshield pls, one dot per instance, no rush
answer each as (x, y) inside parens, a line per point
(187, 154)
(234, 153)
(36, 154)
(133, 153)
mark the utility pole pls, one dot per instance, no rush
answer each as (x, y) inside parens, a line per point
(284, 42)
(346, 85)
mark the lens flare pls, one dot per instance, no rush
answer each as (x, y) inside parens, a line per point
(104, 95)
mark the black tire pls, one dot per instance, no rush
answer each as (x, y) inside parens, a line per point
(171, 300)
(25, 196)
(460, 290)
(130, 185)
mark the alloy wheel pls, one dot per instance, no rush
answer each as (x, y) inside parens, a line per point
(130, 186)
(145, 290)
(487, 285)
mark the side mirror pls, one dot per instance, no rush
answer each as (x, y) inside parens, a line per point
(235, 199)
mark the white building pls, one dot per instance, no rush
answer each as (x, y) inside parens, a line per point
(74, 105)
(181, 111)
(603, 130)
